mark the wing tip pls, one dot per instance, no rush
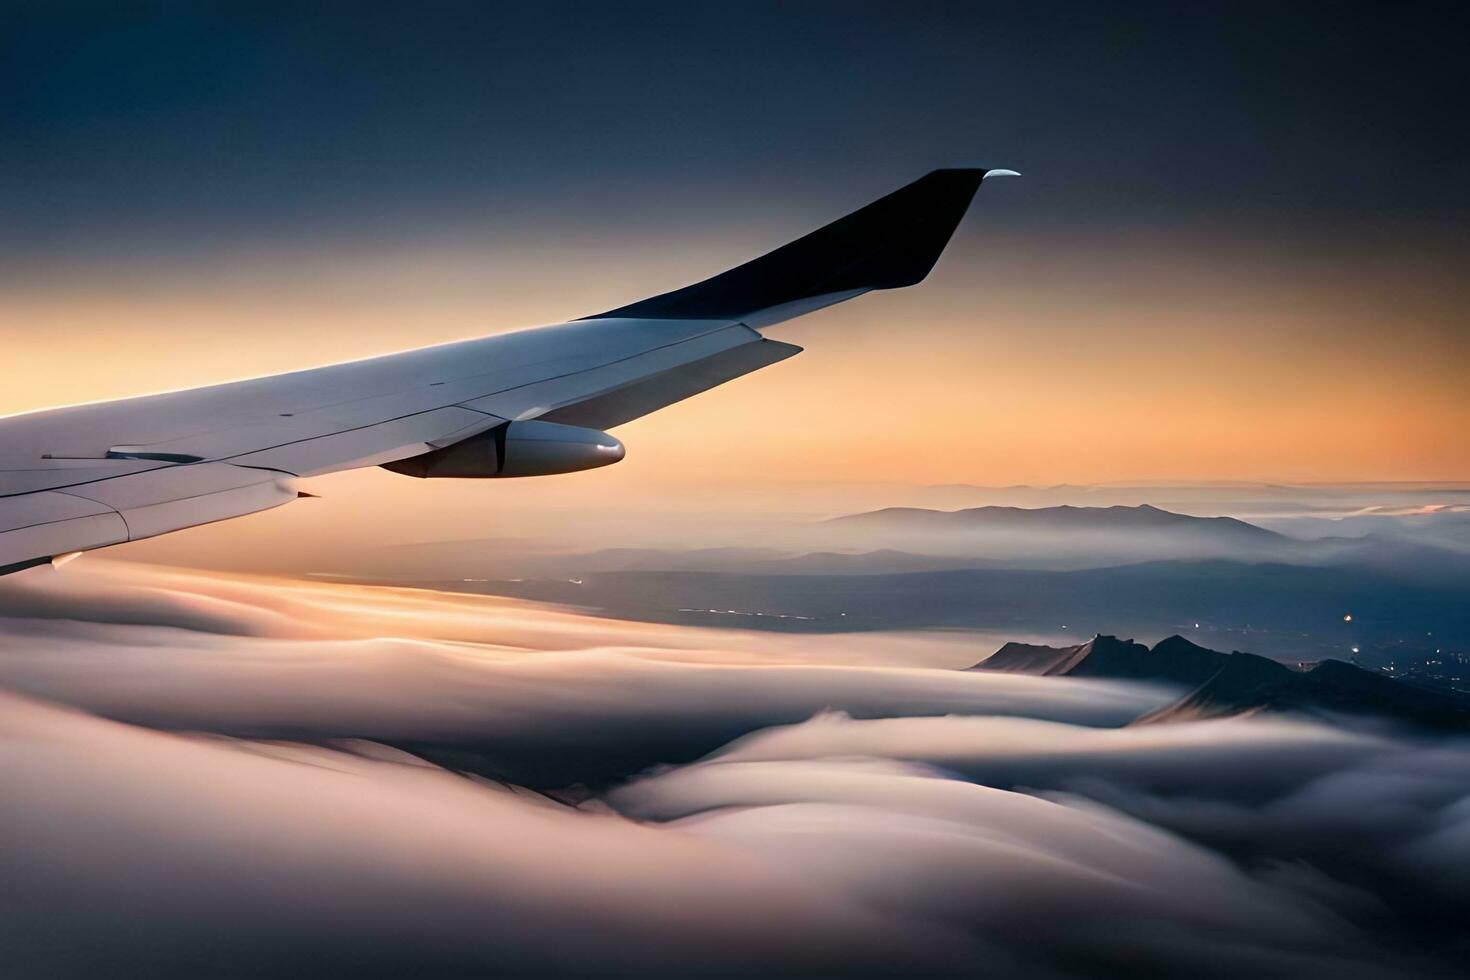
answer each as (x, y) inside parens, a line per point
(889, 243)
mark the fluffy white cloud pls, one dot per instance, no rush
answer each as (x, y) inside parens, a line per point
(940, 822)
(126, 851)
(1059, 884)
(514, 690)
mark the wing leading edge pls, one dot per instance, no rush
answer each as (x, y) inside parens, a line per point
(90, 476)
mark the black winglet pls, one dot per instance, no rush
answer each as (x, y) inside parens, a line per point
(892, 242)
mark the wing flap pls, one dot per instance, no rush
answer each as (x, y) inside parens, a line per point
(177, 497)
(38, 526)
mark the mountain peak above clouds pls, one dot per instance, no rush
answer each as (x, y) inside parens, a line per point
(1235, 683)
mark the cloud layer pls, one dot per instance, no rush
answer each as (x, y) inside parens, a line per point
(206, 774)
(519, 692)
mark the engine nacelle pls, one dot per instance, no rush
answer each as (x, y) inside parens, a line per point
(516, 449)
(542, 448)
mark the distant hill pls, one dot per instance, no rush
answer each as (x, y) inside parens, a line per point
(1056, 537)
(1231, 683)
(1142, 518)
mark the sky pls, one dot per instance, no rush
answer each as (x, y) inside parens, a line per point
(1236, 253)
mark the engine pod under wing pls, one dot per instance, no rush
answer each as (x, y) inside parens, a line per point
(529, 448)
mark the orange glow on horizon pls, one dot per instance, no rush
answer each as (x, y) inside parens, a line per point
(1043, 367)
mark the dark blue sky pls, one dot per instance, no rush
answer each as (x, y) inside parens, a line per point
(161, 125)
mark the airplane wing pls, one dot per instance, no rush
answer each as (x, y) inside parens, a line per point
(518, 404)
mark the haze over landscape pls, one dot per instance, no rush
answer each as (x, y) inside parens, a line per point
(1099, 607)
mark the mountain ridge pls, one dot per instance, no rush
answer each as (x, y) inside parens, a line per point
(1236, 683)
(1119, 517)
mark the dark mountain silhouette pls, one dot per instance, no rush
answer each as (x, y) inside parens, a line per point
(1066, 518)
(1174, 660)
(1034, 658)
(1231, 683)
(1063, 536)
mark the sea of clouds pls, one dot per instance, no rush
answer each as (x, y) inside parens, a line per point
(227, 776)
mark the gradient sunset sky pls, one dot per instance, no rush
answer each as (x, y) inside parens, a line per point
(1238, 251)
